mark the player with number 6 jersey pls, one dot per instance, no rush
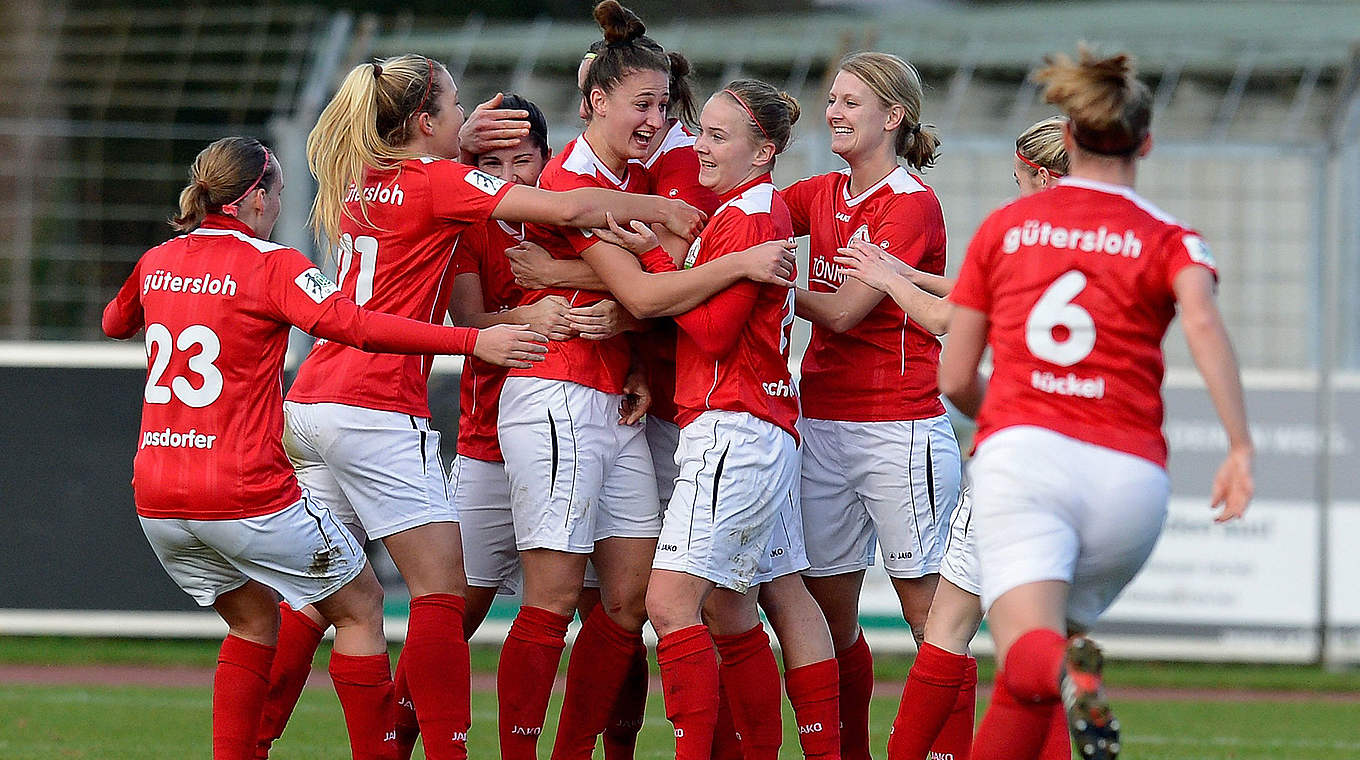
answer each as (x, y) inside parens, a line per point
(215, 494)
(1074, 288)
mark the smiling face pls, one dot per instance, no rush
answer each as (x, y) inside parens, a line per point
(442, 137)
(625, 119)
(521, 164)
(729, 154)
(860, 124)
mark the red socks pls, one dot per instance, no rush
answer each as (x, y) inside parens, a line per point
(620, 737)
(599, 663)
(364, 685)
(240, 684)
(814, 691)
(857, 685)
(524, 679)
(1018, 720)
(726, 745)
(689, 681)
(750, 672)
(408, 726)
(435, 663)
(956, 738)
(1058, 743)
(299, 637)
(928, 698)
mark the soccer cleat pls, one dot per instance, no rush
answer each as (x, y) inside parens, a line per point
(1094, 728)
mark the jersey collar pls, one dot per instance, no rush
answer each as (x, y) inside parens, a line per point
(223, 222)
(739, 189)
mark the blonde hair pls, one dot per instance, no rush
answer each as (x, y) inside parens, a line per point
(1110, 109)
(1042, 144)
(772, 113)
(365, 126)
(223, 174)
(897, 83)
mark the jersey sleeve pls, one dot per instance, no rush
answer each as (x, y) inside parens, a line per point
(716, 324)
(676, 175)
(973, 289)
(460, 193)
(798, 197)
(1185, 248)
(299, 294)
(912, 228)
(471, 247)
(123, 316)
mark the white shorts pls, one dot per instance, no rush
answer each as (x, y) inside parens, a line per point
(379, 472)
(787, 552)
(1050, 507)
(663, 438)
(301, 551)
(736, 473)
(896, 482)
(960, 563)
(576, 475)
(480, 492)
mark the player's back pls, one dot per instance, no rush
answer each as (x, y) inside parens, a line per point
(1077, 285)
(210, 445)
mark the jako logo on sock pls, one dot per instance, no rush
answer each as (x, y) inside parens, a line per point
(940, 756)
(461, 736)
(811, 728)
(526, 730)
(679, 733)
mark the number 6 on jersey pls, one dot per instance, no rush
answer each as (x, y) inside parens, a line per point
(1055, 309)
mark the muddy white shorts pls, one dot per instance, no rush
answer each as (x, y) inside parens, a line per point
(960, 563)
(736, 473)
(787, 553)
(576, 475)
(895, 482)
(379, 472)
(1050, 507)
(301, 551)
(480, 492)
(663, 438)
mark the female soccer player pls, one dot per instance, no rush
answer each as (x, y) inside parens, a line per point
(738, 449)
(935, 715)
(581, 484)
(394, 203)
(1074, 288)
(214, 491)
(879, 458)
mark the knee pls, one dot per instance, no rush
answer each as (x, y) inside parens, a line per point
(629, 613)
(359, 602)
(262, 628)
(669, 614)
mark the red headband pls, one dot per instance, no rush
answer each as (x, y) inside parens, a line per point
(1035, 166)
(749, 112)
(429, 84)
(233, 208)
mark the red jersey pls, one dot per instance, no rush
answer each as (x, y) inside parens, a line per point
(885, 367)
(217, 304)
(733, 352)
(598, 364)
(1076, 283)
(399, 263)
(672, 172)
(481, 251)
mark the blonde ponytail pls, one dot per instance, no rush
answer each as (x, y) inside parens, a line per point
(366, 126)
(1110, 109)
(897, 83)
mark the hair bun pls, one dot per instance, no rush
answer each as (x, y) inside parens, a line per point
(619, 24)
(794, 110)
(679, 64)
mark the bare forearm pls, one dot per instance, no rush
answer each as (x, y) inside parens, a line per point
(586, 207)
(935, 284)
(926, 310)
(1214, 356)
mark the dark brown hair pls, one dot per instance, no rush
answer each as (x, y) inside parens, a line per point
(626, 49)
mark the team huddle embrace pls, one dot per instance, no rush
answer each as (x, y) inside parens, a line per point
(632, 447)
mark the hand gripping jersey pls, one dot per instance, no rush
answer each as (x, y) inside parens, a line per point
(481, 251)
(399, 262)
(598, 364)
(885, 367)
(733, 352)
(671, 172)
(1076, 283)
(217, 304)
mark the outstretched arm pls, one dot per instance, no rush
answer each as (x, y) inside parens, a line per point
(960, 380)
(1217, 363)
(586, 207)
(869, 265)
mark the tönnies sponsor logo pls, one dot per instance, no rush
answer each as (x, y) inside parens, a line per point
(1044, 235)
(780, 389)
(1068, 385)
(377, 194)
(205, 284)
(825, 270)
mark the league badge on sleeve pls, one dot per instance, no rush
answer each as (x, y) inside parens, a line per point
(693, 254)
(316, 285)
(484, 182)
(1199, 252)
